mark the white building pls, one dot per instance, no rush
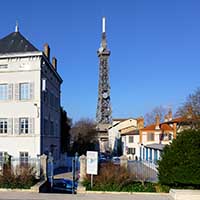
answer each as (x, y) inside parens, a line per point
(29, 100)
(126, 132)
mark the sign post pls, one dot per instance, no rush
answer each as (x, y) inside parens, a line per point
(92, 164)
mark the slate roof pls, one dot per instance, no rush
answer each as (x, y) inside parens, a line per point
(155, 146)
(133, 132)
(15, 43)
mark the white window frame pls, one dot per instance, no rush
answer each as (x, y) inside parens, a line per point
(150, 136)
(130, 139)
(24, 125)
(24, 91)
(3, 126)
(3, 92)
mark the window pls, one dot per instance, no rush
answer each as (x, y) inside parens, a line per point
(24, 91)
(23, 157)
(51, 128)
(150, 137)
(3, 126)
(3, 91)
(165, 136)
(5, 66)
(24, 125)
(130, 139)
(131, 150)
(45, 127)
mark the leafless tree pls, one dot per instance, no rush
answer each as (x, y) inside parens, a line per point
(83, 135)
(150, 116)
(191, 107)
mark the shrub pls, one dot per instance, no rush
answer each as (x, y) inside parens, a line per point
(115, 178)
(110, 176)
(22, 177)
(179, 165)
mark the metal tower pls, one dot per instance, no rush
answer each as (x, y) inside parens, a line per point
(103, 114)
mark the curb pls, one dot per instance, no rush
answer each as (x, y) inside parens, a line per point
(118, 193)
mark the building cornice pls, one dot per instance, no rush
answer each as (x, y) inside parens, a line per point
(27, 54)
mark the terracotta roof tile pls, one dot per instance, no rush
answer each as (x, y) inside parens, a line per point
(163, 127)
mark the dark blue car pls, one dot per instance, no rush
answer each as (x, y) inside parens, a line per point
(64, 185)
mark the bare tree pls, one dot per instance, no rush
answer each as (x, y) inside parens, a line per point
(83, 135)
(150, 116)
(190, 108)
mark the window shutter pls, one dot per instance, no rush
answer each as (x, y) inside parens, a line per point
(10, 91)
(10, 126)
(17, 91)
(32, 125)
(16, 121)
(32, 90)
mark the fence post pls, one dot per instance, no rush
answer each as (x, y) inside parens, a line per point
(43, 164)
(82, 167)
(124, 161)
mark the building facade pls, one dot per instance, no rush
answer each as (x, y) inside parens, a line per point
(29, 99)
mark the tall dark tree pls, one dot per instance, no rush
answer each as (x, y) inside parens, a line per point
(83, 136)
(179, 164)
(65, 131)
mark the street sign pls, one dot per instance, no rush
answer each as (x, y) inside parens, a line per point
(92, 162)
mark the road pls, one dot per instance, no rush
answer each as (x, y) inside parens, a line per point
(45, 196)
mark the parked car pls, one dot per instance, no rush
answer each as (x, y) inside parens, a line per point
(64, 185)
(116, 160)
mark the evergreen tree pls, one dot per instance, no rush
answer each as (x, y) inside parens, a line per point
(180, 161)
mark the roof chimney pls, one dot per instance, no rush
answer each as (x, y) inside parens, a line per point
(54, 63)
(140, 122)
(170, 115)
(47, 51)
(157, 122)
(189, 112)
(166, 118)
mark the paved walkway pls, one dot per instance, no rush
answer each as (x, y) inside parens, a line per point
(142, 171)
(42, 196)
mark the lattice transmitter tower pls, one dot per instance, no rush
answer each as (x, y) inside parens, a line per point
(103, 114)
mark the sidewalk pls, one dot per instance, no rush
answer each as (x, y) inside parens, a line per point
(45, 196)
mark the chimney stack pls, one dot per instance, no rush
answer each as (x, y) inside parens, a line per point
(140, 122)
(47, 51)
(54, 63)
(157, 122)
(189, 112)
(170, 115)
(166, 118)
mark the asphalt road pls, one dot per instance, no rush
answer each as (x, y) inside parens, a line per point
(45, 196)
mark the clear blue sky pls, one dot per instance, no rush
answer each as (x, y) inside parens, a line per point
(155, 49)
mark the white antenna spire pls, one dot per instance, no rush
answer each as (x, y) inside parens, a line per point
(103, 25)
(17, 27)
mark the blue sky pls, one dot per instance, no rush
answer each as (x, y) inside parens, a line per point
(155, 49)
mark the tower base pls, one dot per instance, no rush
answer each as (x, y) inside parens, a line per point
(102, 134)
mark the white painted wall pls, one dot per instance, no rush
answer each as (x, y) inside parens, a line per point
(21, 70)
(28, 68)
(135, 144)
(114, 133)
